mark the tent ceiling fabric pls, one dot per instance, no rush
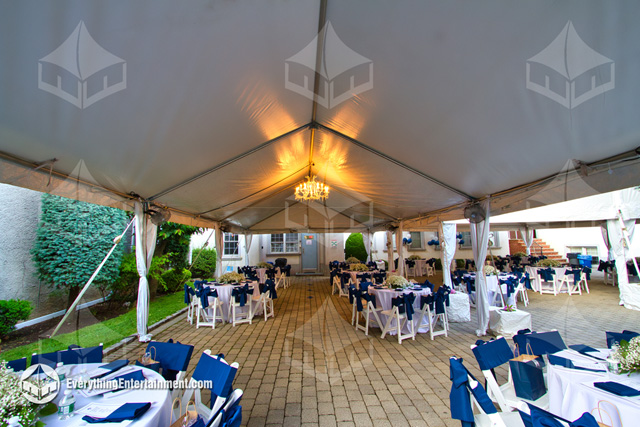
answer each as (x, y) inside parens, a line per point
(421, 106)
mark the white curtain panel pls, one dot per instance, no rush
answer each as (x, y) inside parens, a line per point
(248, 238)
(448, 245)
(607, 243)
(527, 237)
(479, 243)
(146, 233)
(389, 251)
(629, 293)
(366, 237)
(219, 234)
(400, 250)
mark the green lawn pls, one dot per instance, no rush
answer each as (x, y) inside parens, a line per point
(108, 332)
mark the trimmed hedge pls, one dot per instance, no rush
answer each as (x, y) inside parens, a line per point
(12, 311)
(354, 247)
(204, 263)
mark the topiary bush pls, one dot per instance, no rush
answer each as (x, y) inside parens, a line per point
(354, 247)
(174, 279)
(204, 263)
(460, 263)
(12, 311)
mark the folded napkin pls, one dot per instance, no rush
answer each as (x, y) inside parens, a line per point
(568, 363)
(112, 367)
(585, 350)
(617, 388)
(128, 411)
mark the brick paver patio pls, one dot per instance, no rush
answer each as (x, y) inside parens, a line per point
(308, 366)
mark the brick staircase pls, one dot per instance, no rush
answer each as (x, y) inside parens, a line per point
(539, 245)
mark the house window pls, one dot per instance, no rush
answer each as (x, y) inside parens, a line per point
(494, 240)
(416, 241)
(230, 244)
(284, 243)
(583, 250)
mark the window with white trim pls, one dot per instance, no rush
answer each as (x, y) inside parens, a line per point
(284, 243)
(231, 244)
(416, 241)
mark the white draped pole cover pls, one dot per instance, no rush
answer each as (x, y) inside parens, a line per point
(479, 244)
(527, 237)
(366, 238)
(248, 238)
(219, 250)
(448, 245)
(389, 251)
(628, 298)
(146, 233)
(400, 250)
(607, 243)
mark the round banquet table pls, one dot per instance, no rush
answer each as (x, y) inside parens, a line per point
(158, 415)
(492, 288)
(571, 392)
(383, 300)
(224, 294)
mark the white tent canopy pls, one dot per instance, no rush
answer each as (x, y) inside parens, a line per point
(421, 107)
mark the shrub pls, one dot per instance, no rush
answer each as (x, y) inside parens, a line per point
(354, 247)
(125, 288)
(11, 311)
(204, 263)
(173, 279)
(460, 263)
(438, 264)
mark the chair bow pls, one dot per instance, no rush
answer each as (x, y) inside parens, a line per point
(344, 278)
(204, 295)
(405, 304)
(575, 273)
(471, 283)
(428, 284)
(239, 293)
(526, 279)
(364, 286)
(369, 298)
(431, 262)
(379, 277)
(188, 293)
(364, 276)
(510, 282)
(352, 290)
(605, 266)
(410, 263)
(469, 263)
(547, 274)
(587, 272)
(269, 286)
(428, 299)
(442, 298)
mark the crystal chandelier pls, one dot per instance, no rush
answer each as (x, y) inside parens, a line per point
(310, 189)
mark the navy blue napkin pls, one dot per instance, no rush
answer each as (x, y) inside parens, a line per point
(568, 363)
(617, 388)
(128, 411)
(112, 367)
(585, 349)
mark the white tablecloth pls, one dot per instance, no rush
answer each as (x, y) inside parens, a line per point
(158, 415)
(508, 323)
(421, 267)
(224, 294)
(571, 393)
(492, 288)
(459, 308)
(383, 300)
(380, 265)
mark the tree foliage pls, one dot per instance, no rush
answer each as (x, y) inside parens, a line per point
(354, 247)
(173, 241)
(204, 263)
(72, 239)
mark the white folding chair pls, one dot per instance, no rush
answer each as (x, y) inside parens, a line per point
(583, 281)
(232, 400)
(549, 287)
(401, 320)
(368, 310)
(193, 392)
(208, 316)
(433, 317)
(521, 290)
(240, 314)
(572, 287)
(498, 352)
(430, 271)
(264, 300)
(337, 286)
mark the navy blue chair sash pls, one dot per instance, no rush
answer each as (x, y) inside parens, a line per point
(240, 294)
(546, 274)
(576, 273)
(493, 353)
(269, 286)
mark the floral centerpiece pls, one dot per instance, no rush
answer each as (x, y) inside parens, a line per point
(628, 354)
(548, 263)
(263, 264)
(231, 278)
(352, 260)
(490, 270)
(396, 282)
(358, 267)
(13, 402)
(414, 257)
